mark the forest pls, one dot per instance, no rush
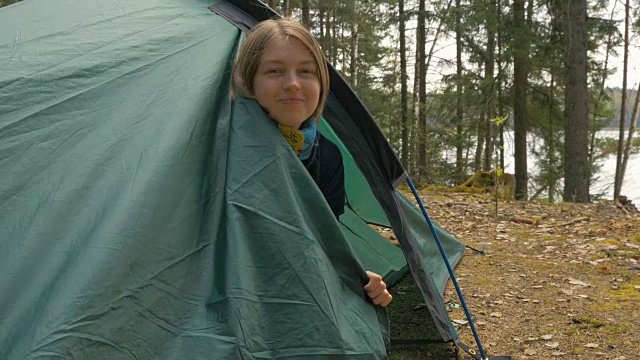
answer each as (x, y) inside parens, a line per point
(450, 81)
(459, 88)
(457, 77)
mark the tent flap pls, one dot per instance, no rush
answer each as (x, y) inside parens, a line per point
(142, 215)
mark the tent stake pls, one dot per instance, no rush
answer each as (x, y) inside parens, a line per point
(449, 268)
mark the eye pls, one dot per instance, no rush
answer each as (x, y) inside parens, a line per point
(273, 71)
(308, 71)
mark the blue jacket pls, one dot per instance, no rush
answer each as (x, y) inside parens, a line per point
(327, 170)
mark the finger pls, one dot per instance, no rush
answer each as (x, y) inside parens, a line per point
(372, 286)
(377, 290)
(383, 299)
(373, 276)
(375, 284)
(387, 301)
(374, 281)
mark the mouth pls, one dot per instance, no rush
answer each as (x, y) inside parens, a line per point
(292, 101)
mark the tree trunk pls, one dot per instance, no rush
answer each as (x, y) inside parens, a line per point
(354, 53)
(576, 146)
(321, 20)
(422, 93)
(334, 33)
(306, 18)
(480, 138)
(403, 88)
(327, 31)
(459, 112)
(623, 105)
(287, 9)
(520, 100)
(488, 138)
(500, 80)
(489, 83)
(551, 145)
(415, 106)
(273, 3)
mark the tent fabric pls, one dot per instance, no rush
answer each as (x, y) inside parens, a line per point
(360, 199)
(128, 231)
(143, 215)
(378, 164)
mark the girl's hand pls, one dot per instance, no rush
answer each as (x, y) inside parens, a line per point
(377, 290)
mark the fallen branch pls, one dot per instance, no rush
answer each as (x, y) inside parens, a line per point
(523, 220)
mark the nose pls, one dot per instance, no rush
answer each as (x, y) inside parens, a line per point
(292, 81)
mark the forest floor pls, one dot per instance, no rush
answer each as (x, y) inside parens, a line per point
(556, 282)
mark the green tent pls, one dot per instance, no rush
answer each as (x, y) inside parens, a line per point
(145, 216)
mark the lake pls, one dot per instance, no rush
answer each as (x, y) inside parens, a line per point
(606, 174)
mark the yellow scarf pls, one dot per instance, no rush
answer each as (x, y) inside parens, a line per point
(302, 140)
(294, 137)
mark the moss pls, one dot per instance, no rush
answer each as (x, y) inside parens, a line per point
(619, 329)
(579, 351)
(588, 321)
(548, 329)
(612, 242)
(546, 238)
(626, 292)
(483, 182)
(468, 189)
(484, 281)
(635, 238)
(601, 308)
(549, 238)
(571, 332)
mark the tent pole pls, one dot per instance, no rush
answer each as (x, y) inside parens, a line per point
(449, 268)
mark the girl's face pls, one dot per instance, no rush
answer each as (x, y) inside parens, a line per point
(287, 83)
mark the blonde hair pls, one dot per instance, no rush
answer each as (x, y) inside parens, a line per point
(255, 46)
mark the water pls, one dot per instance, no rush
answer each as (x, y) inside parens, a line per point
(605, 177)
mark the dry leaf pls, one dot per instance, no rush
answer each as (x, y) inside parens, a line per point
(552, 345)
(546, 337)
(579, 283)
(558, 353)
(496, 314)
(529, 351)
(591, 345)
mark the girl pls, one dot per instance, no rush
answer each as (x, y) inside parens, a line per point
(280, 65)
